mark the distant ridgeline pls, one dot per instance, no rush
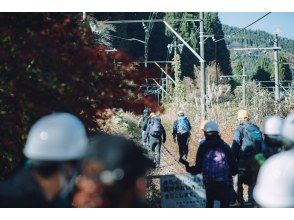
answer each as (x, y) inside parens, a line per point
(254, 38)
(259, 64)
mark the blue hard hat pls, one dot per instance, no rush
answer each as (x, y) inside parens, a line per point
(146, 110)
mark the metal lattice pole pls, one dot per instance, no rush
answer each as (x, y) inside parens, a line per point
(244, 87)
(277, 83)
(202, 68)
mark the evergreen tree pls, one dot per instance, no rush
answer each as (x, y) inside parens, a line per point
(179, 91)
(189, 32)
(263, 71)
(284, 69)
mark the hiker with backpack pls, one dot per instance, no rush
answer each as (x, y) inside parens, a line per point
(156, 134)
(181, 133)
(217, 164)
(142, 124)
(247, 150)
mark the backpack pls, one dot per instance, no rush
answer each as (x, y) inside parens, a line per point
(183, 125)
(155, 127)
(144, 123)
(215, 166)
(252, 139)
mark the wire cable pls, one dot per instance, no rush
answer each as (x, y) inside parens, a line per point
(128, 39)
(244, 27)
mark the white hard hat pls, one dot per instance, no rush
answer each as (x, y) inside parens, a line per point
(211, 126)
(275, 181)
(288, 128)
(181, 112)
(56, 137)
(273, 125)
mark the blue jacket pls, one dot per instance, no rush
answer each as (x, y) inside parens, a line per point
(175, 126)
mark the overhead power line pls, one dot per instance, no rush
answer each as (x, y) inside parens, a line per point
(150, 20)
(245, 27)
(128, 39)
(257, 48)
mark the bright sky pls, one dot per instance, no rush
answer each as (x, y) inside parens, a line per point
(280, 22)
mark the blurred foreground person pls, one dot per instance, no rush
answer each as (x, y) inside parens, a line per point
(246, 147)
(275, 182)
(112, 175)
(272, 136)
(54, 144)
(216, 163)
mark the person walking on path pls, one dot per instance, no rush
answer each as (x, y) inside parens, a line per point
(181, 134)
(217, 164)
(247, 145)
(156, 134)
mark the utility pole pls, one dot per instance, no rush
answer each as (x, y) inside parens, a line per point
(175, 48)
(244, 86)
(177, 76)
(146, 48)
(202, 69)
(147, 30)
(166, 83)
(276, 48)
(215, 56)
(277, 81)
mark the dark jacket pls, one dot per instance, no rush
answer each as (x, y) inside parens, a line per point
(271, 146)
(143, 122)
(238, 140)
(22, 191)
(211, 142)
(163, 136)
(175, 127)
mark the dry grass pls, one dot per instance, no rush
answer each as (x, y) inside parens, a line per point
(122, 123)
